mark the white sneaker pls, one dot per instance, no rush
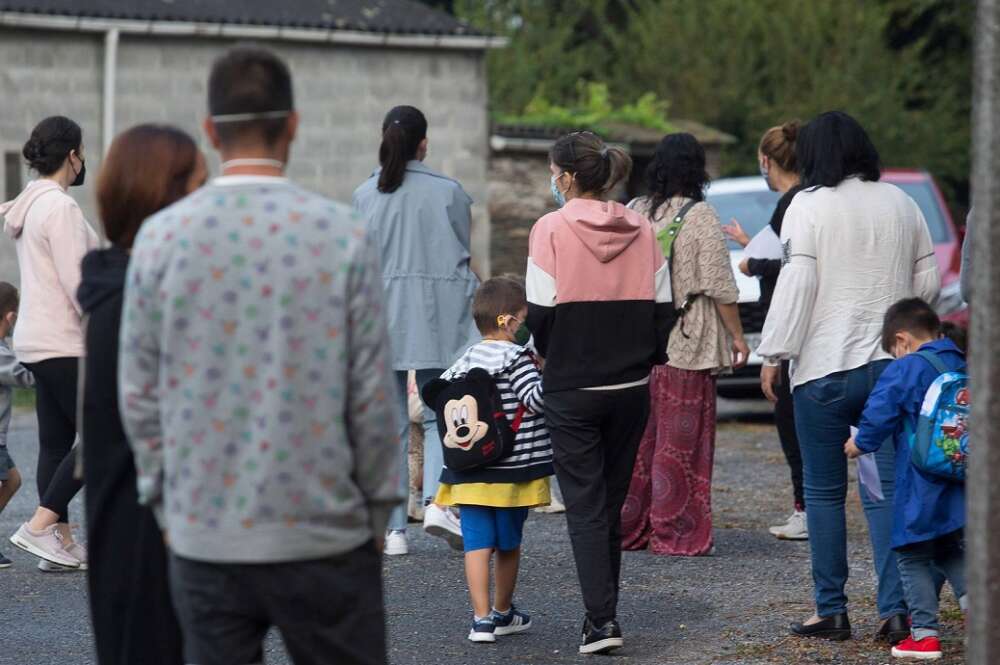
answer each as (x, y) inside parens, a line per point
(79, 552)
(395, 544)
(794, 529)
(444, 524)
(49, 567)
(46, 544)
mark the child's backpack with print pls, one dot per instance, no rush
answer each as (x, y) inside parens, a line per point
(940, 445)
(474, 430)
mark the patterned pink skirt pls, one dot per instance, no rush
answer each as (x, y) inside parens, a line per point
(669, 504)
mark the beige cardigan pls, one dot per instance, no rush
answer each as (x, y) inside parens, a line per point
(701, 266)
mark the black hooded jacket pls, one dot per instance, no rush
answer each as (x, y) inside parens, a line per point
(100, 296)
(134, 621)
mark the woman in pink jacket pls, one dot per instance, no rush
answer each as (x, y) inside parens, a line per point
(51, 237)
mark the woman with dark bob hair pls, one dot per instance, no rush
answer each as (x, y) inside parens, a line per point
(853, 247)
(148, 168)
(51, 236)
(669, 506)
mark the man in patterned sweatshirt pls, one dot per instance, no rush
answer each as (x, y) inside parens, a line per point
(257, 395)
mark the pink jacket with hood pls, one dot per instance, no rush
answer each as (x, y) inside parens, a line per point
(51, 237)
(598, 296)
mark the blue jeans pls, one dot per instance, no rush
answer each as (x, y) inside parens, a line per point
(825, 410)
(919, 565)
(433, 457)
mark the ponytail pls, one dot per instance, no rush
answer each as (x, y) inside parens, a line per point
(597, 168)
(403, 129)
(619, 166)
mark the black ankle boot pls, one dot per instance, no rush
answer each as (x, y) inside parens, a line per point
(895, 629)
(837, 628)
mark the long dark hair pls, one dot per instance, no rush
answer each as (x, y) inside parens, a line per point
(677, 169)
(596, 167)
(146, 169)
(832, 147)
(403, 129)
(51, 142)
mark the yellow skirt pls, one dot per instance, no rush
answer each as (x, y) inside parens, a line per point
(529, 494)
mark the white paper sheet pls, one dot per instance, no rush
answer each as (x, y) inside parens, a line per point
(868, 475)
(764, 245)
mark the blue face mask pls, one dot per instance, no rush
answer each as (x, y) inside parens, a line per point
(765, 174)
(556, 194)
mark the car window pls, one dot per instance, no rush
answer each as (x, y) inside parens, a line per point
(923, 194)
(752, 210)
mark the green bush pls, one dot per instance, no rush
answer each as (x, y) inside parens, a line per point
(593, 110)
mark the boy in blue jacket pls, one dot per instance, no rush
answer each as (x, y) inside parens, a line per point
(929, 512)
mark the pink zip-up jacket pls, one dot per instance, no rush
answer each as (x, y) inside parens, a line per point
(51, 237)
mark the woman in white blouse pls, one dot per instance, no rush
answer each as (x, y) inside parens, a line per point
(853, 247)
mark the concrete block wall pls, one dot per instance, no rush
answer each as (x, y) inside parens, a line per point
(342, 93)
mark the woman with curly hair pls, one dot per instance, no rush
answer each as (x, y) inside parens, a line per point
(668, 508)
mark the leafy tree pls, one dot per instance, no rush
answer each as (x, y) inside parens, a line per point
(902, 67)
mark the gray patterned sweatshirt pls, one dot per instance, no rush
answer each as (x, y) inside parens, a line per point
(254, 375)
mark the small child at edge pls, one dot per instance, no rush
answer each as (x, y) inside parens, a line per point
(928, 512)
(495, 500)
(12, 374)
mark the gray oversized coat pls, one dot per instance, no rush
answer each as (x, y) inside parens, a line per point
(424, 229)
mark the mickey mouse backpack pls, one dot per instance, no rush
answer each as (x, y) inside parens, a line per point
(474, 430)
(940, 445)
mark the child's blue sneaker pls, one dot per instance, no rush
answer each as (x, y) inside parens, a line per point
(510, 622)
(483, 630)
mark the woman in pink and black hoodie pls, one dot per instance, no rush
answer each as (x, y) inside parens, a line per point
(51, 237)
(599, 309)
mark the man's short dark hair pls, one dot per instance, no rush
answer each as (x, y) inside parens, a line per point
(911, 315)
(497, 296)
(249, 79)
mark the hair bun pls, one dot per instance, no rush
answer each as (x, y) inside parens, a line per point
(790, 130)
(33, 149)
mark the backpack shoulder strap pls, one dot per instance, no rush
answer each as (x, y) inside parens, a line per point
(668, 235)
(518, 417)
(935, 362)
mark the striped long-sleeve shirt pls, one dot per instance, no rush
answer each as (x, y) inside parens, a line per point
(519, 382)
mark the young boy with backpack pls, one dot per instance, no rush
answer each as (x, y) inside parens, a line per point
(496, 451)
(922, 401)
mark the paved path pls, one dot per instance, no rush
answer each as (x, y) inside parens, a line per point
(732, 608)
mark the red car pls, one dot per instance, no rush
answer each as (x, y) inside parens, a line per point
(947, 237)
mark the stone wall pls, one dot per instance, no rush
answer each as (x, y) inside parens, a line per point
(342, 93)
(519, 193)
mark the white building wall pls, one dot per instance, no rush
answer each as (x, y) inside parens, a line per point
(342, 93)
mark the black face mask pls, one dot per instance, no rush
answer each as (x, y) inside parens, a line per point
(81, 174)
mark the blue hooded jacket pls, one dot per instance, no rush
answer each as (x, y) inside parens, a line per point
(925, 507)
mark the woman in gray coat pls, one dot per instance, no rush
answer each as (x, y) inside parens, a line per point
(423, 223)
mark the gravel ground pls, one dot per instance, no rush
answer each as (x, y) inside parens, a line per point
(732, 608)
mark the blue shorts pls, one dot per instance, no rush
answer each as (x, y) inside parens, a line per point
(484, 527)
(6, 463)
